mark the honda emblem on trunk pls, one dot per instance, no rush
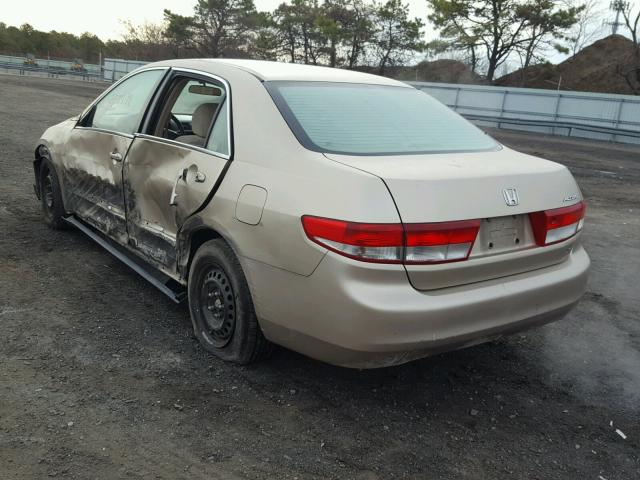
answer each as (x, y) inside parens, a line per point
(510, 196)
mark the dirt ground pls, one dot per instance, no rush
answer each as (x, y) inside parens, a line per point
(100, 376)
(595, 68)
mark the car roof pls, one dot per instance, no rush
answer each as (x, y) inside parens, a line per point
(267, 70)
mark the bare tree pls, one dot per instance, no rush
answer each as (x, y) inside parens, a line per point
(146, 41)
(631, 69)
(589, 26)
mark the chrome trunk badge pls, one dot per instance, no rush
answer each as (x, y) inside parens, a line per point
(510, 196)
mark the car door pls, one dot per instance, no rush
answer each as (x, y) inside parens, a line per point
(171, 170)
(96, 148)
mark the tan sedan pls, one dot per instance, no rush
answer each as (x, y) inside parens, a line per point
(343, 215)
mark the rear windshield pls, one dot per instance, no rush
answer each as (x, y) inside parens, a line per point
(360, 119)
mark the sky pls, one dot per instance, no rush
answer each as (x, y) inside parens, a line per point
(103, 17)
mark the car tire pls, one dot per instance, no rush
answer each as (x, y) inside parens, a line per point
(51, 196)
(221, 308)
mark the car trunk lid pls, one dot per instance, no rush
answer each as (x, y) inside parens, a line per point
(479, 185)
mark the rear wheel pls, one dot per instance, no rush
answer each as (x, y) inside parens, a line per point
(51, 197)
(222, 313)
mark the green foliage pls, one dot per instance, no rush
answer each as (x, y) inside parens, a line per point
(177, 31)
(297, 26)
(345, 33)
(218, 28)
(26, 40)
(397, 36)
(498, 28)
(546, 23)
(338, 33)
(348, 27)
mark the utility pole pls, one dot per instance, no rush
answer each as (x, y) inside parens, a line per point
(617, 6)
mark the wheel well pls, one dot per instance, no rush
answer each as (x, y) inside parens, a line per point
(198, 238)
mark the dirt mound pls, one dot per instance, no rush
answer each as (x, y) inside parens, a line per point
(593, 69)
(444, 71)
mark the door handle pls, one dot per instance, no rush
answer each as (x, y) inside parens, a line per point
(173, 201)
(115, 156)
(200, 177)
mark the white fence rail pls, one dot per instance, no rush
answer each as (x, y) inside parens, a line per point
(114, 68)
(588, 115)
(111, 70)
(48, 63)
(598, 116)
(55, 68)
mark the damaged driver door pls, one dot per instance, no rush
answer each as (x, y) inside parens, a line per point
(96, 148)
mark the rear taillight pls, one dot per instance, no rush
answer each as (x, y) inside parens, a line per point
(415, 243)
(553, 226)
(440, 242)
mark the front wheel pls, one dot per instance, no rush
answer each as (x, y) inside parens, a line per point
(51, 196)
(222, 313)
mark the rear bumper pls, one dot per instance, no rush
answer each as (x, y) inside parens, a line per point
(351, 314)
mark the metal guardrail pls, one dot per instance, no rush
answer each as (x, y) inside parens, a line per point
(591, 115)
(51, 71)
(617, 132)
(111, 70)
(49, 62)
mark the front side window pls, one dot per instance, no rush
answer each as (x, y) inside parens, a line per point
(121, 109)
(362, 119)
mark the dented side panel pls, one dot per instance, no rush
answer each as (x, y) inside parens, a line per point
(154, 171)
(93, 180)
(54, 139)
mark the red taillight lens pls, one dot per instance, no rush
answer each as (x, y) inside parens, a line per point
(371, 242)
(394, 243)
(553, 226)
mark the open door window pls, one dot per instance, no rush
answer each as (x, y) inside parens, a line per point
(192, 107)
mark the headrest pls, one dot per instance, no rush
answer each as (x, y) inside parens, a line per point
(201, 119)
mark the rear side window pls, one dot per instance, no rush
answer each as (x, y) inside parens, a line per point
(121, 109)
(359, 119)
(219, 139)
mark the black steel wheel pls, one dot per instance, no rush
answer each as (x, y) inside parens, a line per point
(218, 306)
(51, 196)
(222, 312)
(47, 191)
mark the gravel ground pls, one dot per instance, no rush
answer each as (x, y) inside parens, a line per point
(100, 376)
